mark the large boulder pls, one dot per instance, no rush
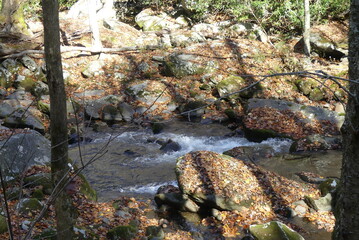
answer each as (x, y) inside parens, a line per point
(18, 112)
(24, 150)
(233, 84)
(151, 96)
(268, 118)
(181, 65)
(24, 118)
(149, 20)
(94, 109)
(323, 46)
(218, 181)
(212, 31)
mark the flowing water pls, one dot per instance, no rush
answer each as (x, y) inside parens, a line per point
(131, 165)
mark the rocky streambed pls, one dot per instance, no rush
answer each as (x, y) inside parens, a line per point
(135, 163)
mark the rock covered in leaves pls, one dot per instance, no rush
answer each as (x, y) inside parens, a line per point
(266, 118)
(219, 181)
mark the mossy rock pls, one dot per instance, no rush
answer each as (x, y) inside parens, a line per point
(40, 179)
(111, 113)
(155, 232)
(27, 83)
(38, 194)
(233, 84)
(192, 105)
(47, 234)
(306, 86)
(274, 231)
(3, 224)
(126, 232)
(86, 189)
(181, 65)
(43, 107)
(230, 114)
(316, 94)
(28, 205)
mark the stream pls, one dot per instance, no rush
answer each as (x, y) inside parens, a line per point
(128, 164)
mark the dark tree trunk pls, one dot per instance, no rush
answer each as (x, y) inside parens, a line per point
(58, 118)
(347, 207)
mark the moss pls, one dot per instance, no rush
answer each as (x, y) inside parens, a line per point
(38, 194)
(47, 234)
(230, 114)
(86, 189)
(3, 224)
(233, 84)
(316, 94)
(40, 179)
(43, 107)
(28, 83)
(155, 232)
(28, 205)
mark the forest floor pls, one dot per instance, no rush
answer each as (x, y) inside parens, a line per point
(267, 59)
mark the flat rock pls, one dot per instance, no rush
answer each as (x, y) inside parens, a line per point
(268, 118)
(219, 181)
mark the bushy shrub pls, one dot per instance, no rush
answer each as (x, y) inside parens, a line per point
(273, 16)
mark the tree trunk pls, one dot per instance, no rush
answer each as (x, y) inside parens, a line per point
(306, 33)
(346, 206)
(12, 17)
(58, 119)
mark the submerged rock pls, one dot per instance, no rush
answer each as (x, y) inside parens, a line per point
(170, 146)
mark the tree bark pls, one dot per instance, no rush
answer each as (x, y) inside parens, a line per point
(58, 119)
(346, 206)
(306, 33)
